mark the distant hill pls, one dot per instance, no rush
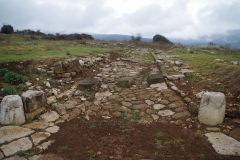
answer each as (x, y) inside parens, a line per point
(116, 37)
(230, 39)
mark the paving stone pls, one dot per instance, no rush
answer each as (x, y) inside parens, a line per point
(149, 102)
(155, 117)
(70, 104)
(126, 82)
(99, 96)
(180, 109)
(159, 86)
(40, 136)
(139, 106)
(165, 113)
(127, 104)
(124, 109)
(180, 115)
(164, 101)
(45, 145)
(48, 156)
(50, 116)
(223, 144)
(36, 125)
(176, 104)
(9, 133)
(16, 157)
(150, 111)
(158, 106)
(60, 108)
(53, 129)
(174, 98)
(91, 84)
(154, 78)
(20, 144)
(1, 155)
(103, 113)
(73, 114)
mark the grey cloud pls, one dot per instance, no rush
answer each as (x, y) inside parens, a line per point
(153, 19)
(220, 18)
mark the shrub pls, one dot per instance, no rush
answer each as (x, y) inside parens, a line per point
(161, 39)
(3, 71)
(14, 78)
(8, 29)
(8, 91)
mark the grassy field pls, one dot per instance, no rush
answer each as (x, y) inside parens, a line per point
(10, 50)
(216, 67)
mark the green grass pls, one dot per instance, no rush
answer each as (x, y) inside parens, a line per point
(198, 133)
(64, 148)
(201, 155)
(101, 144)
(159, 144)
(159, 134)
(203, 62)
(45, 49)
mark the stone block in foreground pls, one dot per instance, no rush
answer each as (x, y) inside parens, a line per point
(34, 102)
(11, 110)
(212, 108)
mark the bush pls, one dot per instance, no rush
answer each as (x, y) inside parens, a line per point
(161, 39)
(3, 71)
(8, 91)
(8, 29)
(14, 78)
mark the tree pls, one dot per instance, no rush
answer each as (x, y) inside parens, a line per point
(8, 29)
(160, 38)
(137, 38)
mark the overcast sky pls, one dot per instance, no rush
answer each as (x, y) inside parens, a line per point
(171, 18)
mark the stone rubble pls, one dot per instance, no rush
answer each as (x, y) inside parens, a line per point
(117, 89)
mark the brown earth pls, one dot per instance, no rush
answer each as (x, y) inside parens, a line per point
(81, 139)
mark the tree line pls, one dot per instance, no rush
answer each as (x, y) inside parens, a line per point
(8, 29)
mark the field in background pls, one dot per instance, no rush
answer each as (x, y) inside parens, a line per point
(14, 48)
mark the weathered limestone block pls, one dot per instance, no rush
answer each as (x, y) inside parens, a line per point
(60, 108)
(92, 84)
(20, 144)
(33, 100)
(126, 82)
(71, 65)
(212, 108)
(223, 144)
(58, 67)
(9, 133)
(11, 110)
(155, 78)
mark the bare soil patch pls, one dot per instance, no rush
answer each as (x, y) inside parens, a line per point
(119, 139)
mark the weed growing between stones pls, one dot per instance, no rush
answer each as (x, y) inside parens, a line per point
(25, 153)
(198, 133)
